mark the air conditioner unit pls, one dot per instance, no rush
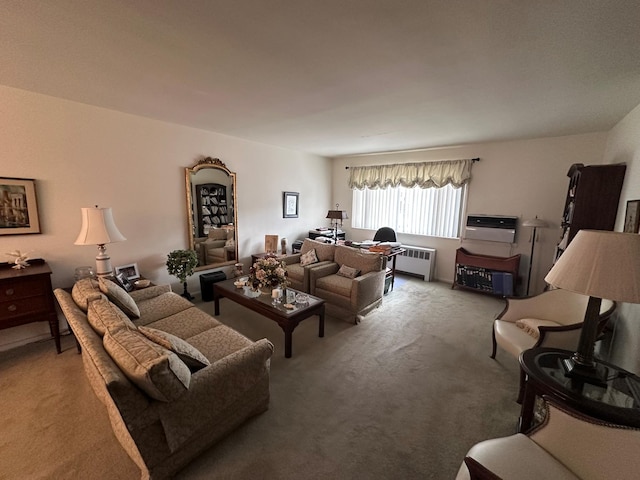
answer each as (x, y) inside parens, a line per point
(492, 228)
(419, 261)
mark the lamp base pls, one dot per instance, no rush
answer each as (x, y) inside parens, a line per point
(594, 375)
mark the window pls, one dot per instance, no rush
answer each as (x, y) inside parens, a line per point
(434, 212)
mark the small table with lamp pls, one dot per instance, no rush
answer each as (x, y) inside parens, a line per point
(616, 400)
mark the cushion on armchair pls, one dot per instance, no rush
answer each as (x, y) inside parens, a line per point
(348, 272)
(308, 258)
(531, 325)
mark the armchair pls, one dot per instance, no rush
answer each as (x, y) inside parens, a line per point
(299, 275)
(552, 319)
(567, 445)
(350, 297)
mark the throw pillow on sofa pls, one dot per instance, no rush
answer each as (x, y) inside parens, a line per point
(308, 258)
(120, 297)
(186, 352)
(104, 316)
(348, 272)
(84, 290)
(154, 369)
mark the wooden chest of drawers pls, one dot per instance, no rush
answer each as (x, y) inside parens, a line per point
(26, 296)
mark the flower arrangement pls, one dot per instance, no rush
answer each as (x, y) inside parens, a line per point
(268, 272)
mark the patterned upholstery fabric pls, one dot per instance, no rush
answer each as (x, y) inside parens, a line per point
(156, 370)
(120, 297)
(83, 290)
(105, 316)
(162, 437)
(189, 354)
(161, 306)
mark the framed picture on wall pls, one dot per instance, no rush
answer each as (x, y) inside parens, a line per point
(290, 204)
(18, 206)
(632, 217)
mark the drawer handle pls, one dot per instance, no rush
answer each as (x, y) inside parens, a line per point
(9, 291)
(12, 308)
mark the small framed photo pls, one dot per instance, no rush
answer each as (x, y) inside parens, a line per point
(18, 206)
(130, 271)
(290, 204)
(271, 243)
(124, 281)
(632, 217)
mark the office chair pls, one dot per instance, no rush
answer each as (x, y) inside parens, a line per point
(385, 234)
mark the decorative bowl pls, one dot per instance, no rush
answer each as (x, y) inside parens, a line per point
(142, 283)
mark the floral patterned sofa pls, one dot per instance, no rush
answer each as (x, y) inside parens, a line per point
(173, 379)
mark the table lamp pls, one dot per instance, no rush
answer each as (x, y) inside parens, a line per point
(336, 216)
(601, 265)
(535, 224)
(98, 228)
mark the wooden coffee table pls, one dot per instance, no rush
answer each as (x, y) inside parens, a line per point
(288, 319)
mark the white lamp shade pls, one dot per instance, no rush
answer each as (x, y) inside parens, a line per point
(600, 264)
(98, 227)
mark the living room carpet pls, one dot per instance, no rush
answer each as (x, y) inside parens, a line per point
(404, 394)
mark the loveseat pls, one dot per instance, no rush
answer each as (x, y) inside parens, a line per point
(173, 379)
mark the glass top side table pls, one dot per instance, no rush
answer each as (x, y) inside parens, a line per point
(616, 401)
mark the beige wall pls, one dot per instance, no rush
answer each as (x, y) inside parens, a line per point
(82, 156)
(520, 178)
(623, 146)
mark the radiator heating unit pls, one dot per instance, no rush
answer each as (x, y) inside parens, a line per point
(418, 261)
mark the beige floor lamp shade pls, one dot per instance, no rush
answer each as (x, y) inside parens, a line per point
(99, 228)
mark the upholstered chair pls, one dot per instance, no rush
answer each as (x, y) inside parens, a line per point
(353, 285)
(567, 445)
(552, 319)
(298, 273)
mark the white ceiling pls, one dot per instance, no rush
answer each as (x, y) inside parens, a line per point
(336, 77)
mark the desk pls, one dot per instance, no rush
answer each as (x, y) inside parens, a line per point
(617, 402)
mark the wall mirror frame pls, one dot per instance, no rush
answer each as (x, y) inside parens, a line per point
(212, 213)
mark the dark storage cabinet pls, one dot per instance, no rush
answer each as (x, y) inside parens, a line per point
(486, 273)
(591, 201)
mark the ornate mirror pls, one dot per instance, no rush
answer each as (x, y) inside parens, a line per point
(211, 213)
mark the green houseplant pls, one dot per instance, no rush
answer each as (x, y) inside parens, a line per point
(180, 263)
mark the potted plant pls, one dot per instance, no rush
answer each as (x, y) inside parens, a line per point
(180, 263)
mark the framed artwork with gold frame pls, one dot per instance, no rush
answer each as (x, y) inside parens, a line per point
(18, 206)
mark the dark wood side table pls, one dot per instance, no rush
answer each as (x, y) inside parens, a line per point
(26, 296)
(617, 401)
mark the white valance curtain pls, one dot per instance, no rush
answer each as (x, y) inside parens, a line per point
(424, 174)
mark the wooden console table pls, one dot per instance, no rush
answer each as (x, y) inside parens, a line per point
(26, 296)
